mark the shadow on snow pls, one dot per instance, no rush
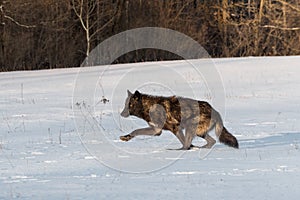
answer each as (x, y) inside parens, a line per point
(280, 139)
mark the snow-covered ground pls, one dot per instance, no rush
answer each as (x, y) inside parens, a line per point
(59, 140)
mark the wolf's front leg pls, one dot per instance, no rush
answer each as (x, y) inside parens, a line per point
(126, 137)
(143, 131)
(180, 136)
(189, 136)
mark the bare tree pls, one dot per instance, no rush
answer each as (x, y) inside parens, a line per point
(88, 14)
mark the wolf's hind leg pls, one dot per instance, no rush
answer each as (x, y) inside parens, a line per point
(202, 131)
(210, 141)
(143, 131)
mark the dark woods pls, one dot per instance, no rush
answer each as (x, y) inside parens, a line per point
(61, 33)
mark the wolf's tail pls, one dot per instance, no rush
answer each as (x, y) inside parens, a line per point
(222, 133)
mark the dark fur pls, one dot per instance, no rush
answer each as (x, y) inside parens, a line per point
(176, 114)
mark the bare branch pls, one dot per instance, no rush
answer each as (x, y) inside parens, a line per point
(102, 27)
(15, 21)
(281, 28)
(181, 10)
(80, 13)
(289, 5)
(91, 10)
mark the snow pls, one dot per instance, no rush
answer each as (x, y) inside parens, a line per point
(58, 140)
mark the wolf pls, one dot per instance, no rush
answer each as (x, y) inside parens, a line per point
(176, 114)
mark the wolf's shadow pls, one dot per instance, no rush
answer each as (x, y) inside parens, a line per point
(280, 139)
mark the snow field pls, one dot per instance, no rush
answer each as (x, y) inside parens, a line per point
(42, 156)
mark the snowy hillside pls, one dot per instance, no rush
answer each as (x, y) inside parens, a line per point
(59, 132)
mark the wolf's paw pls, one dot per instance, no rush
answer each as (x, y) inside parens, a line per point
(207, 146)
(192, 147)
(186, 148)
(157, 134)
(126, 137)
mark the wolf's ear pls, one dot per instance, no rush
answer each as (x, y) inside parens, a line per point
(137, 93)
(129, 93)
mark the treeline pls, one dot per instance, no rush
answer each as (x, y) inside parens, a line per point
(60, 33)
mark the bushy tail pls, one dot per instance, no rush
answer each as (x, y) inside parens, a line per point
(223, 135)
(228, 139)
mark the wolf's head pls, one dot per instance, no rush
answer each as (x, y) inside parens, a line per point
(131, 103)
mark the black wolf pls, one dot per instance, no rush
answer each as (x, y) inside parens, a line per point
(176, 114)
